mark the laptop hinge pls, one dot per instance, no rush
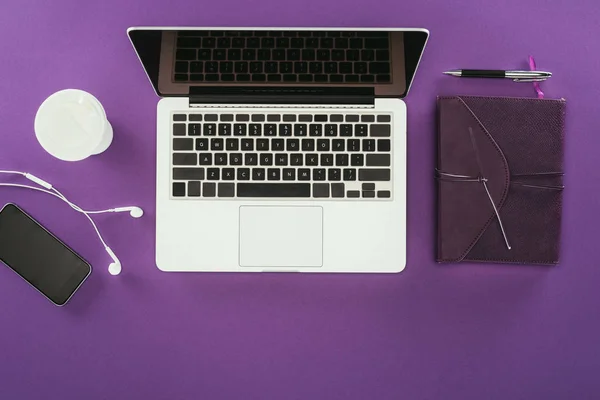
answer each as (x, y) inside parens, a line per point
(282, 95)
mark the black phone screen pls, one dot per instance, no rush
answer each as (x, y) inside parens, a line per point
(39, 257)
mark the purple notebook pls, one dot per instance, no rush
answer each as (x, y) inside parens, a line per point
(499, 176)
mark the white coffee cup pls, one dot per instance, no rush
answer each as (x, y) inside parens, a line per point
(71, 125)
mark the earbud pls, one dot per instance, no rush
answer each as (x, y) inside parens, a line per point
(114, 268)
(135, 212)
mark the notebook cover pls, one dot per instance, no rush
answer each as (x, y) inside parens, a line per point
(520, 146)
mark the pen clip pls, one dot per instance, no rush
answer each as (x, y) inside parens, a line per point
(541, 79)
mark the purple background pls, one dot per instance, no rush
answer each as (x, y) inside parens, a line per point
(432, 332)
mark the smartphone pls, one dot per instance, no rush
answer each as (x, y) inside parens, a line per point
(39, 257)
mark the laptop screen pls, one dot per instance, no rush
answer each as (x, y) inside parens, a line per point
(177, 59)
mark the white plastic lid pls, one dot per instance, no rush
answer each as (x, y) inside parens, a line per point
(71, 124)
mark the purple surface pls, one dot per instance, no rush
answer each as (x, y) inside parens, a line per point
(432, 332)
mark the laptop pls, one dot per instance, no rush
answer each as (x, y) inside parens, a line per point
(280, 149)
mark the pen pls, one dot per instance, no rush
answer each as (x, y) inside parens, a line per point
(517, 76)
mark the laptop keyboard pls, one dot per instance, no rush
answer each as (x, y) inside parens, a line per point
(283, 56)
(269, 155)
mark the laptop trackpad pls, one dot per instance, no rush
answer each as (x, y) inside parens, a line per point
(281, 236)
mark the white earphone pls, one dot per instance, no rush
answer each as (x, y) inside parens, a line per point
(136, 212)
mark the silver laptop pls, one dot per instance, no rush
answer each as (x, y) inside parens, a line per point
(280, 149)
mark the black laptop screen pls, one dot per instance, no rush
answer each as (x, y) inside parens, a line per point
(178, 59)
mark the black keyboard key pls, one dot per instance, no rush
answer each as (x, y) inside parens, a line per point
(258, 174)
(353, 194)
(320, 78)
(266, 159)
(296, 159)
(194, 189)
(378, 160)
(234, 54)
(178, 129)
(185, 54)
(351, 78)
(290, 78)
(243, 174)
(205, 158)
(384, 194)
(357, 160)
(183, 144)
(367, 78)
(384, 145)
(311, 43)
(356, 43)
(249, 55)
(243, 77)
(323, 145)
(211, 117)
(262, 144)
(259, 78)
(327, 43)
(258, 118)
(360, 130)
(353, 145)
(304, 174)
(274, 77)
(277, 144)
(181, 67)
(338, 190)
(211, 67)
(377, 43)
(228, 174)
(305, 78)
(242, 117)
(179, 117)
(297, 43)
(185, 159)
(331, 67)
(209, 42)
(315, 67)
(368, 144)
(300, 130)
(341, 160)
(360, 68)
(285, 129)
(211, 77)
(219, 54)
(195, 117)
(239, 130)
(253, 43)
(201, 144)
(319, 174)
(238, 42)
(323, 55)
(221, 159)
(349, 174)
(226, 67)
(289, 174)
(251, 159)
(197, 77)
(341, 43)
(308, 145)
(352, 118)
(289, 118)
(331, 130)
(209, 189)
(384, 118)
(381, 130)
(345, 130)
(336, 78)
(338, 55)
(367, 118)
(345, 68)
(196, 67)
(293, 54)
(367, 55)
(273, 174)
(213, 174)
(320, 190)
(227, 77)
(216, 144)
(316, 130)
(312, 160)
(204, 54)
(334, 174)
(235, 159)
(305, 118)
(368, 194)
(226, 189)
(225, 129)
(178, 189)
(231, 144)
(292, 145)
(379, 68)
(267, 43)
(188, 173)
(308, 55)
(338, 145)
(263, 54)
(273, 189)
(326, 160)
(300, 67)
(241, 67)
(181, 77)
(256, 67)
(255, 129)
(382, 55)
(374, 174)
(286, 68)
(321, 118)
(281, 159)
(282, 43)
(270, 130)
(247, 145)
